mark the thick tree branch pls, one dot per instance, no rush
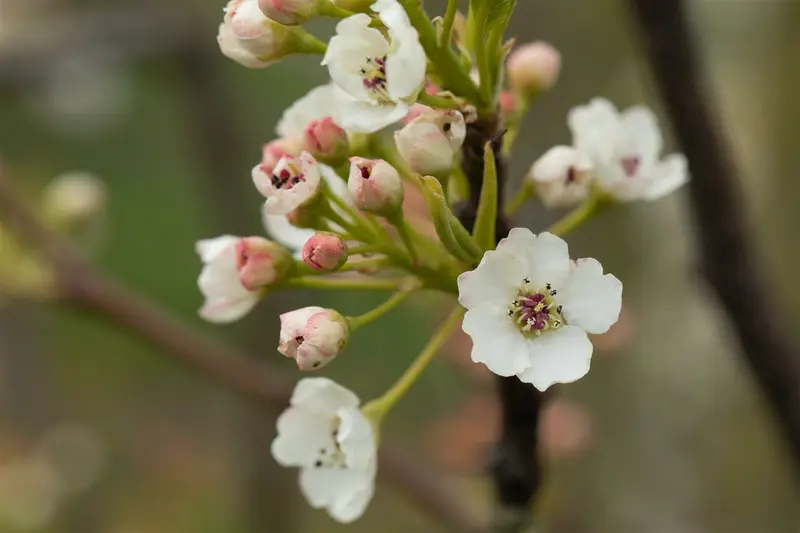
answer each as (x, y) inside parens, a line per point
(728, 258)
(84, 287)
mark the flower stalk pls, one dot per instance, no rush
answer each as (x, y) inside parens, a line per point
(356, 322)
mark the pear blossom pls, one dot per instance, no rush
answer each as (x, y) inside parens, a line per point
(375, 185)
(293, 182)
(250, 38)
(290, 12)
(382, 75)
(325, 252)
(226, 299)
(529, 309)
(274, 151)
(261, 262)
(312, 336)
(429, 143)
(291, 236)
(326, 141)
(625, 150)
(325, 435)
(561, 177)
(320, 102)
(533, 67)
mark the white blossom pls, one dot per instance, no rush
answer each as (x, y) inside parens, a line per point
(625, 150)
(382, 75)
(226, 299)
(561, 177)
(293, 182)
(430, 142)
(530, 309)
(320, 102)
(293, 238)
(313, 336)
(326, 436)
(248, 37)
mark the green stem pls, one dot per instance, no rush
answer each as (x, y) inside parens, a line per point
(363, 249)
(329, 9)
(579, 215)
(446, 34)
(523, 195)
(454, 77)
(391, 284)
(438, 102)
(378, 408)
(396, 299)
(406, 235)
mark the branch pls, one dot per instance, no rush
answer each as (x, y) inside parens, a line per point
(85, 288)
(727, 255)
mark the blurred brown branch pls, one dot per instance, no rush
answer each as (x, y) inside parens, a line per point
(84, 287)
(728, 256)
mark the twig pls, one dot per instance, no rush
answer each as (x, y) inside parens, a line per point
(85, 288)
(515, 466)
(728, 258)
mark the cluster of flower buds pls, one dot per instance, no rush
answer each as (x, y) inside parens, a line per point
(334, 189)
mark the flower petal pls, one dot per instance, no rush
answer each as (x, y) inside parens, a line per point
(322, 396)
(316, 104)
(595, 129)
(283, 232)
(496, 341)
(640, 134)
(592, 301)
(208, 249)
(548, 259)
(227, 311)
(356, 438)
(301, 434)
(495, 280)
(367, 117)
(670, 174)
(560, 356)
(405, 68)
(323, 487)
(350, 507)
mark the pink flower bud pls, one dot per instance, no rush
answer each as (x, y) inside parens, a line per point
(508, 104)
(275, 150)
(429, 143)
(312, 336)
(326, 141)
(289, 12)
(261, 262)
(325, 252)
(415, 111)
(375, 185)
(533, 67)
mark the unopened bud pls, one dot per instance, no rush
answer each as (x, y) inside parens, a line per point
(561, 177)
(375, 185)
(255, 41)
(429, 143)
(313, 336)
(533, 67)
(325, 252)
(290, 12)
(261, 262)
(414, 111)
(73, 199)
(508, 104)
(326, 141)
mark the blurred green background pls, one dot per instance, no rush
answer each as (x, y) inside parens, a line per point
(99, 433)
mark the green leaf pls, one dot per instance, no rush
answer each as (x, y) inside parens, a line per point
(486, 219)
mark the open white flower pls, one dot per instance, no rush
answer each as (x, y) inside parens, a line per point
(530, 309)
(293, 182)
(625, 149)
(326, 436)
(561, 177)
(226, 299)
(320, 102)
(383, 76)
(284, 232)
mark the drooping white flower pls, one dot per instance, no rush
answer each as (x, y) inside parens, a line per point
(292, 237)
(530, 309)
(625, 149)
(325, 435)
(320, 102)
(429, 142)
(313, 336)
(293, 182)
(383, 76)
(561, 177)
(226, 299)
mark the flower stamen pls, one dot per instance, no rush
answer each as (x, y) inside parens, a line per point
(535, 311)
(373, 75)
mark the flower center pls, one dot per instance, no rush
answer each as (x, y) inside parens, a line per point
(332, 456)
(373, 75)
(535, 311)
(630, 165)
(287, 176)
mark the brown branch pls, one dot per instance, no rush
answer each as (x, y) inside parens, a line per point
(84, 287)
(729, 260)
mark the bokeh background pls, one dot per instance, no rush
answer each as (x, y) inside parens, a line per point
(99, 433)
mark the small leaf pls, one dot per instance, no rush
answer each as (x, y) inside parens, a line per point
(486, 219)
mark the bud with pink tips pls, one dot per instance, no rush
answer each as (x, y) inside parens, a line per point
(429, 143)
(290, 12)
(533, 67)
(375, 186)
(261, 262)
(313, 336)
(326, 141)
(293, 182)
(325, 252)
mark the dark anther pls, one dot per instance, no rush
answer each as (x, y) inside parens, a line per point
(318, 464)
(299, 339)
(553, 292)
(446, 127)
